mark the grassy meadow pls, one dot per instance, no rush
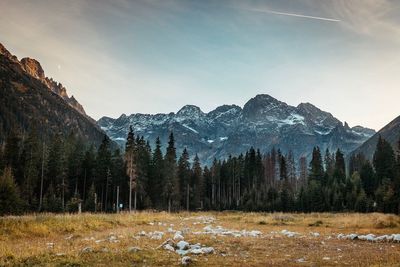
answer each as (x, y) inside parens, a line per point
(136, 239)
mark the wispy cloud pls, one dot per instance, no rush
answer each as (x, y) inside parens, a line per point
(291, 14)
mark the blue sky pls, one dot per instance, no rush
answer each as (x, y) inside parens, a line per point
(156, 56)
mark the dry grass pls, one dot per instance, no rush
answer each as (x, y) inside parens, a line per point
(24, 239)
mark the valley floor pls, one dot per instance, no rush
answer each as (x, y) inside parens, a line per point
(225, 239)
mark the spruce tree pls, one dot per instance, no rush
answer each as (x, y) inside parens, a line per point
(184, 176)
(384, 160)
(171, 184)
(197, 183)
(156, 177)
(316, 168)
(103, 167)
(130, 161)
(10, 199)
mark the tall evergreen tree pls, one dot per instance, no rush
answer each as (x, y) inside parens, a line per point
(103, 175)
(171, 184)
(184, 176)
(316, 168)
(10, 200)
(197, 183)
(156, 176)
(130, 161)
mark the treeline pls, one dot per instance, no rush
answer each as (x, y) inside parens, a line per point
(67, 175)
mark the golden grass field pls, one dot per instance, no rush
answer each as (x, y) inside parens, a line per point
(107, 239)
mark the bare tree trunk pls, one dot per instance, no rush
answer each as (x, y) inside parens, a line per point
(130, 194)
(135, 201)
(84, 187)
(187, 197)
(117, 199)
(41, 180)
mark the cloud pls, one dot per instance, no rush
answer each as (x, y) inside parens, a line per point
(371, 18)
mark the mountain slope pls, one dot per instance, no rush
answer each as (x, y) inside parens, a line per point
(28, 99)
(391, 132)
(264, 122)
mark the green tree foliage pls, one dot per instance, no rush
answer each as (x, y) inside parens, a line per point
(10, 199)
(98, 177)
(171, 183)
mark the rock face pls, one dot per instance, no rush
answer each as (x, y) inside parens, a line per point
(34, 69)
(28, 99)
(391, 133)
(264, 122)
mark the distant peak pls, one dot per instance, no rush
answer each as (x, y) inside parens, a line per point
(5, 52)
(190, 110)
(33, 67)
(308, 106)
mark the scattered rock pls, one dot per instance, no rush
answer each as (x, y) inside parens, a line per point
(371, 237)
(301, 260)
(178, 236)
(156, 235)
(87, 250)
(289, 233)
(169, 247)
(182, 245)
(133, 249)
(186, 260)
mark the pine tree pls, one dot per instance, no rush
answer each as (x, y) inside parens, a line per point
(90, 202)
(12, 151)
(384, 160)
(368, 179)
(31, 161)
(103, 167)
(197, 183)
(10, 199)
(171, 184)
(56, 170)
(316, 169)
(156, 177)
(184, 176)
(130, 161)
(340, 168)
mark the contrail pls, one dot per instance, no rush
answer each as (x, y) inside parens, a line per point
(292, 14)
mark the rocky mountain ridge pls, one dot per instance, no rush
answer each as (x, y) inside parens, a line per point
(34, 69)
(31, 101)
(263, 122)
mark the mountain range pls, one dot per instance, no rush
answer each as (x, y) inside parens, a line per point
(264, 122)
(30, 100)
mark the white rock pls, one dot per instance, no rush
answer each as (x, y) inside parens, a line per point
(301, 260)
(87, 250)
(133, 249)
(169, 247)
(182, 245)
(396, 237)
(186, 260)
(178, 236)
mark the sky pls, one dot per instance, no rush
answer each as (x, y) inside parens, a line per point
(125, 56)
